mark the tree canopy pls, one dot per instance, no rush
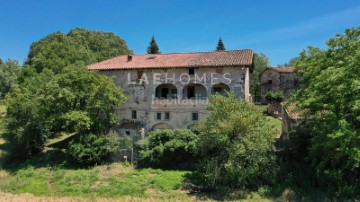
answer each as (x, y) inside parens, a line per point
(8, 76)
(220, 45)
(153, 48)
(330, 99)
(236, 145)
(75, 101)
(79, 47)
(261, 61)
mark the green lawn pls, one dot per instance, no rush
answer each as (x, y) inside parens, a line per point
(275, 123)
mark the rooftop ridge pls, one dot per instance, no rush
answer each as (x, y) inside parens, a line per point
(195, 52)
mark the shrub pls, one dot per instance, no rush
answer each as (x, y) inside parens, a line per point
(169, 149)
(91, 149)
(274, 96)
(236, 146)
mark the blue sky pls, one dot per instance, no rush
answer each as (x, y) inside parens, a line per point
(278, 28)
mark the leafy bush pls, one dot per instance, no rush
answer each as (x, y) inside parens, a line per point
(8, 76)
(91, 149)
(75, 101)
(169, 149)
(274, 96)
(330, 101)
(236, 145)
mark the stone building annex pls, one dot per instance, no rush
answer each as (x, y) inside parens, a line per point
(172, 90)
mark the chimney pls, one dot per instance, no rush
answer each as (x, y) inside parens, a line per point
(129, 58)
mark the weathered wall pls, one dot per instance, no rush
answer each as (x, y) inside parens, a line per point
(272, 80)
(142, 94)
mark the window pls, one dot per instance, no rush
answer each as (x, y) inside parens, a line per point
(195, 116)
(218, 90)
(158, 116)
(167, 115)
(191, 71)
(140, 74)
(133, 114)
(219, 71)
(269, 81)
(127, 132)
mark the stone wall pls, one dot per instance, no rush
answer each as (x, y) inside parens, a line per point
(274, 80)
(177, 103)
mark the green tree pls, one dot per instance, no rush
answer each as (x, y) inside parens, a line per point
(102, 45)
(261, 61)
(153, 48)
(169, 149)
(79, 47)
(220, 45)
(330, 101)
(91, 149)
(236, 145)
(75, 101)
(292, 62)
(8, 76)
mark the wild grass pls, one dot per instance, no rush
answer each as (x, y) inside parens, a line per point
(114, 180)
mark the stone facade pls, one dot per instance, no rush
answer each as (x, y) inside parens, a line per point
(174, 101)
(173, 97)
(281, 79)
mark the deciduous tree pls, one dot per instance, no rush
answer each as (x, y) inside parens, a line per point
(8, 76)
(330, 99)
(236, 145)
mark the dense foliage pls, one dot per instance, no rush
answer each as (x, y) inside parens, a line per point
(169, 149)
(91, 149)
(330, 101)
(220, 45)
(261, 61)
(8, 76)
(78, 48)
(153, 48)
(277, 96)
(236, 145)
(75, 101)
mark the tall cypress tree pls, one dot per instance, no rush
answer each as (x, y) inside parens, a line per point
(220, 45)
(153, 48)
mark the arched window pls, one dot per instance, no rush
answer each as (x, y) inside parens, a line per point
(166, 91)
(220, 88)
(194, 91)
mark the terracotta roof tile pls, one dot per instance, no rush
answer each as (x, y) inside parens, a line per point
(175, 60)
(283, 69)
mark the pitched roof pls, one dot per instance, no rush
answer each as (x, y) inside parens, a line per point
(282, 69)
(178, 60)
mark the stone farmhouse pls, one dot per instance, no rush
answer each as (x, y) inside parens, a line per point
(281, 79)
(172, 90)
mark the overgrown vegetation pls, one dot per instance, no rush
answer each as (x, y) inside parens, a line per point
(55, 93)
(236, 146)
(330, 100)
(9, 71)
(261, 61)
(74, 101)
(276, 96)
(91, 149)
(169, 149)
